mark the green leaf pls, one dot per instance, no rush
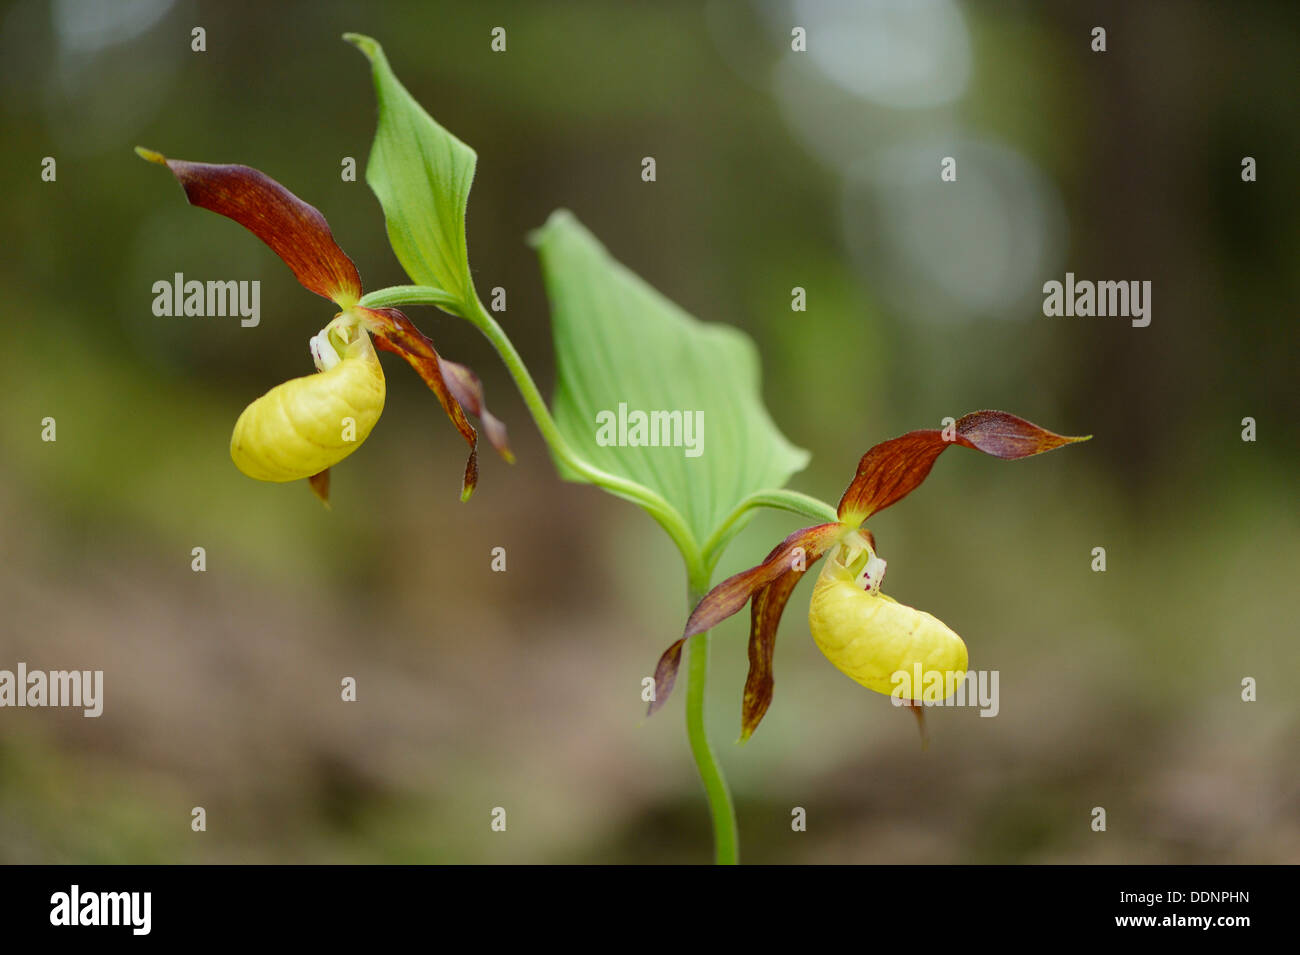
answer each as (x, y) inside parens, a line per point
(620, 342)
(421, 174)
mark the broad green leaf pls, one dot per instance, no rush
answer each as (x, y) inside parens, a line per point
(421, 174)
(618, 342)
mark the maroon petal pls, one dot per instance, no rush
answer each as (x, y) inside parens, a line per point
(892, 470)
(294, 230)
(468, 390)
(804, 545)
(394, 332)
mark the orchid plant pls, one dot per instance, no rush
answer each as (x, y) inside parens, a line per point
(618, 342)
(303, 427)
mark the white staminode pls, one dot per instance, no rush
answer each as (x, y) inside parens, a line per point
(873, 575)
(324, 352)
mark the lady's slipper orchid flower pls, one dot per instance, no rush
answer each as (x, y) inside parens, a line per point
(303, 427)
(867, 635)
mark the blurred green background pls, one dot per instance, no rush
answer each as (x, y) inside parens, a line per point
(775, 169)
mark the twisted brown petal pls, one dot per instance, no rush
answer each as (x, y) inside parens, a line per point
(294, 230)
(395, 332)
(893, 469)
(799, 549)
(764, 615)
(468, 390)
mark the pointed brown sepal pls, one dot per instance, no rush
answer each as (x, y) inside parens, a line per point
(320, 486)
(799, 550)
(394, 332)
(893, 469)
(295, 230)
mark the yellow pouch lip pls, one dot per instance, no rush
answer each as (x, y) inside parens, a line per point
(872, 638)
(301, 427)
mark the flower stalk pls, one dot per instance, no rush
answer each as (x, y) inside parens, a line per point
(700, 560)
(726, 836)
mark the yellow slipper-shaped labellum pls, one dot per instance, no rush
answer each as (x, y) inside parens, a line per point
(306, 425)
(873, 638)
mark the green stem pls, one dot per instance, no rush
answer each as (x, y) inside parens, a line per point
(396, 295)
(699, 561)
(726, 838)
